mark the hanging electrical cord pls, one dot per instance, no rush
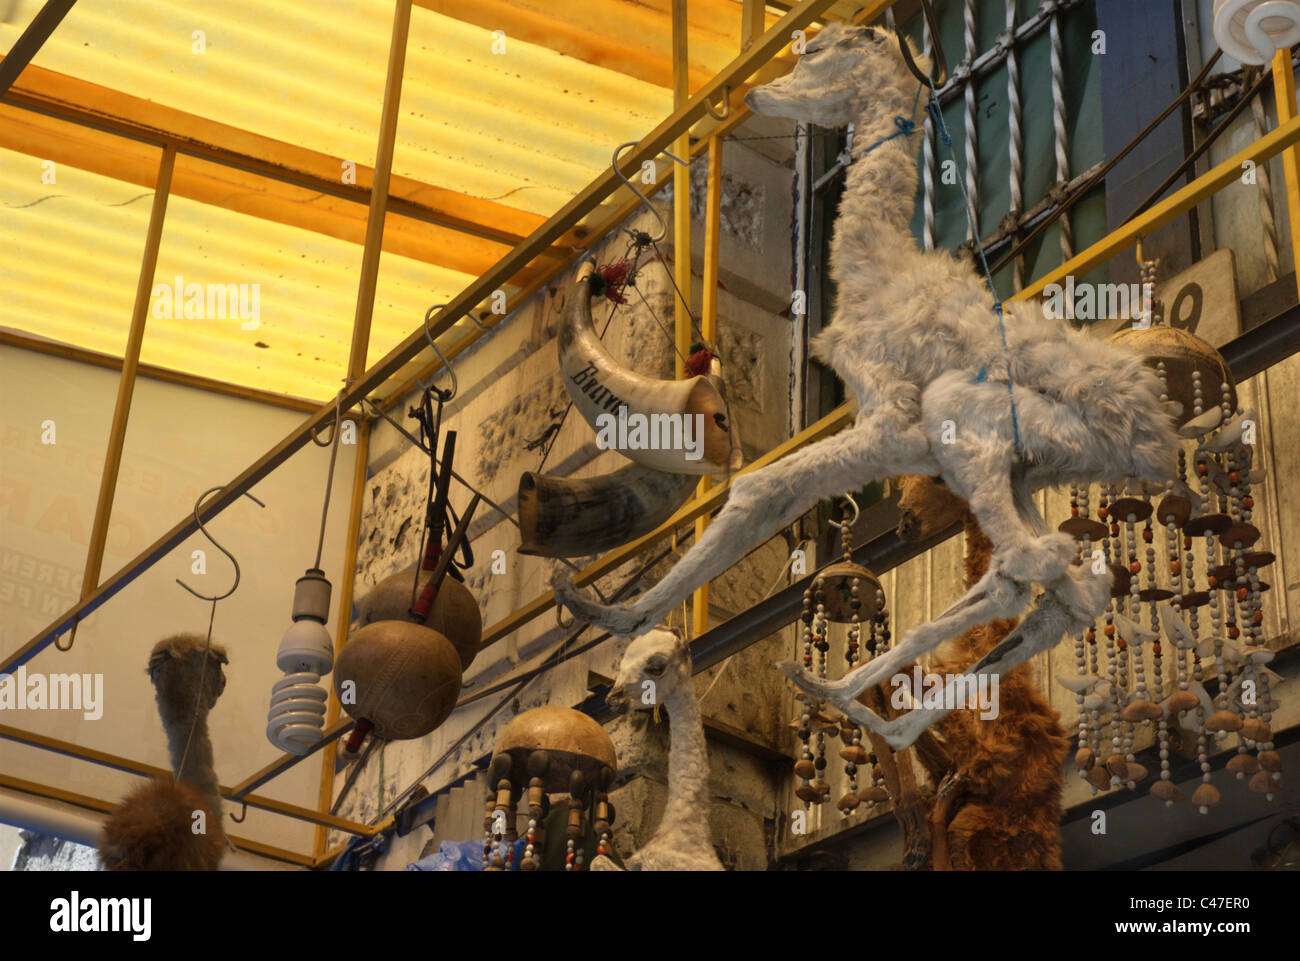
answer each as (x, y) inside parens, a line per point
(295, 718)
(329, 477)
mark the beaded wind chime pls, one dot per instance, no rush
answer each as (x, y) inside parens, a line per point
(849, 594)
(548, 750)
(1202, 604)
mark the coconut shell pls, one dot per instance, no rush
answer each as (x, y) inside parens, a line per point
(855, 754)
(1141, 710)
(1270, 760)
(1223, 721)
(1182, 701)
(1167, 791)
(1099, 778)
(1207, 795)
(1117, 765)
(1243, 764)
(1084, 759)
(848, 802)
(1263, 783)
(806, 792)
(1136, 773)
(1254, 729)
(874, 793)
(805, 769)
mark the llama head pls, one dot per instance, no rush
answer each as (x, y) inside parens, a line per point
(180, 664)
(844, 72)
(926, 506)
(661, 657)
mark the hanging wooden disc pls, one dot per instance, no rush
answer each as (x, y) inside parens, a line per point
(836, 584)
(1081, 527)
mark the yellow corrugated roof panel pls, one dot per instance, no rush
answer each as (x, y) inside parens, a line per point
(72, 259)
(527, 128)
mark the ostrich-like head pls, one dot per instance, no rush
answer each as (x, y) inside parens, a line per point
(926, 506)
(180, 664)
(661, 657)
(844, 71)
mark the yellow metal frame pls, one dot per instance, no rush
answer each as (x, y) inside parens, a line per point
(759, 52)
(362, 383)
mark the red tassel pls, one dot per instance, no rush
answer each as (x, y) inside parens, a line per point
(614, 275)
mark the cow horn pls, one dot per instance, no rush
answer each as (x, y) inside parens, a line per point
(599, 385)
(572, 517)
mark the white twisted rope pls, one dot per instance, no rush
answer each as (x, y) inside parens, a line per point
(1062, 134)
(972, 158)
(1265, 184)
(927, 168)
(1014, 135)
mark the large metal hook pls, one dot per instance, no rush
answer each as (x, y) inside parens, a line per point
(645, 202)
(940, 59)
(198, 520)
(455, 385)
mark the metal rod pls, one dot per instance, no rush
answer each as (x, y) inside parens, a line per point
(31, 41)
(570, 214)
(708, 331)
(1284, 95)
(379, 191)
(126, 381)
(99, 805)
(119, 763)
(1174, 206)
(1100, 175)
(325, 794)
(681, 195)
(1223, 124)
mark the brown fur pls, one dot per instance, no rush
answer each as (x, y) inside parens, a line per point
(1007, 771)
(152, 829)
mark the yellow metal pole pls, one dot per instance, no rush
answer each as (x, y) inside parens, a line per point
(357, 366)
(126, 382)
(326, 795)
(1284, 94)
(379, 191)
(1175, 205)
(709, 331)
(681, 192)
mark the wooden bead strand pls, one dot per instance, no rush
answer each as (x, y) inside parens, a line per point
(573, 848)
(537, 765)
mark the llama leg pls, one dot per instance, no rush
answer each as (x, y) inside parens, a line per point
(759, 505)
(993, 596)
(977, 452)
(1069, 603)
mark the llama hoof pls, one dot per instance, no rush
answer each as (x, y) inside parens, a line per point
(1040, 561)
(620, 620)
(1084, 595)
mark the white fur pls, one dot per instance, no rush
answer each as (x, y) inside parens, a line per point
(916, 341)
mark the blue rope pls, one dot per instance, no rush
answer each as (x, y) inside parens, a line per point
(906, 126)
(936, 115)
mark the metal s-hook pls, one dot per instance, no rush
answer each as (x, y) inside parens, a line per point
(645, 202)
(455, 385)
(243, 812)
(854, 505)
(198, 520)
(940, 59)
(723, 111)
